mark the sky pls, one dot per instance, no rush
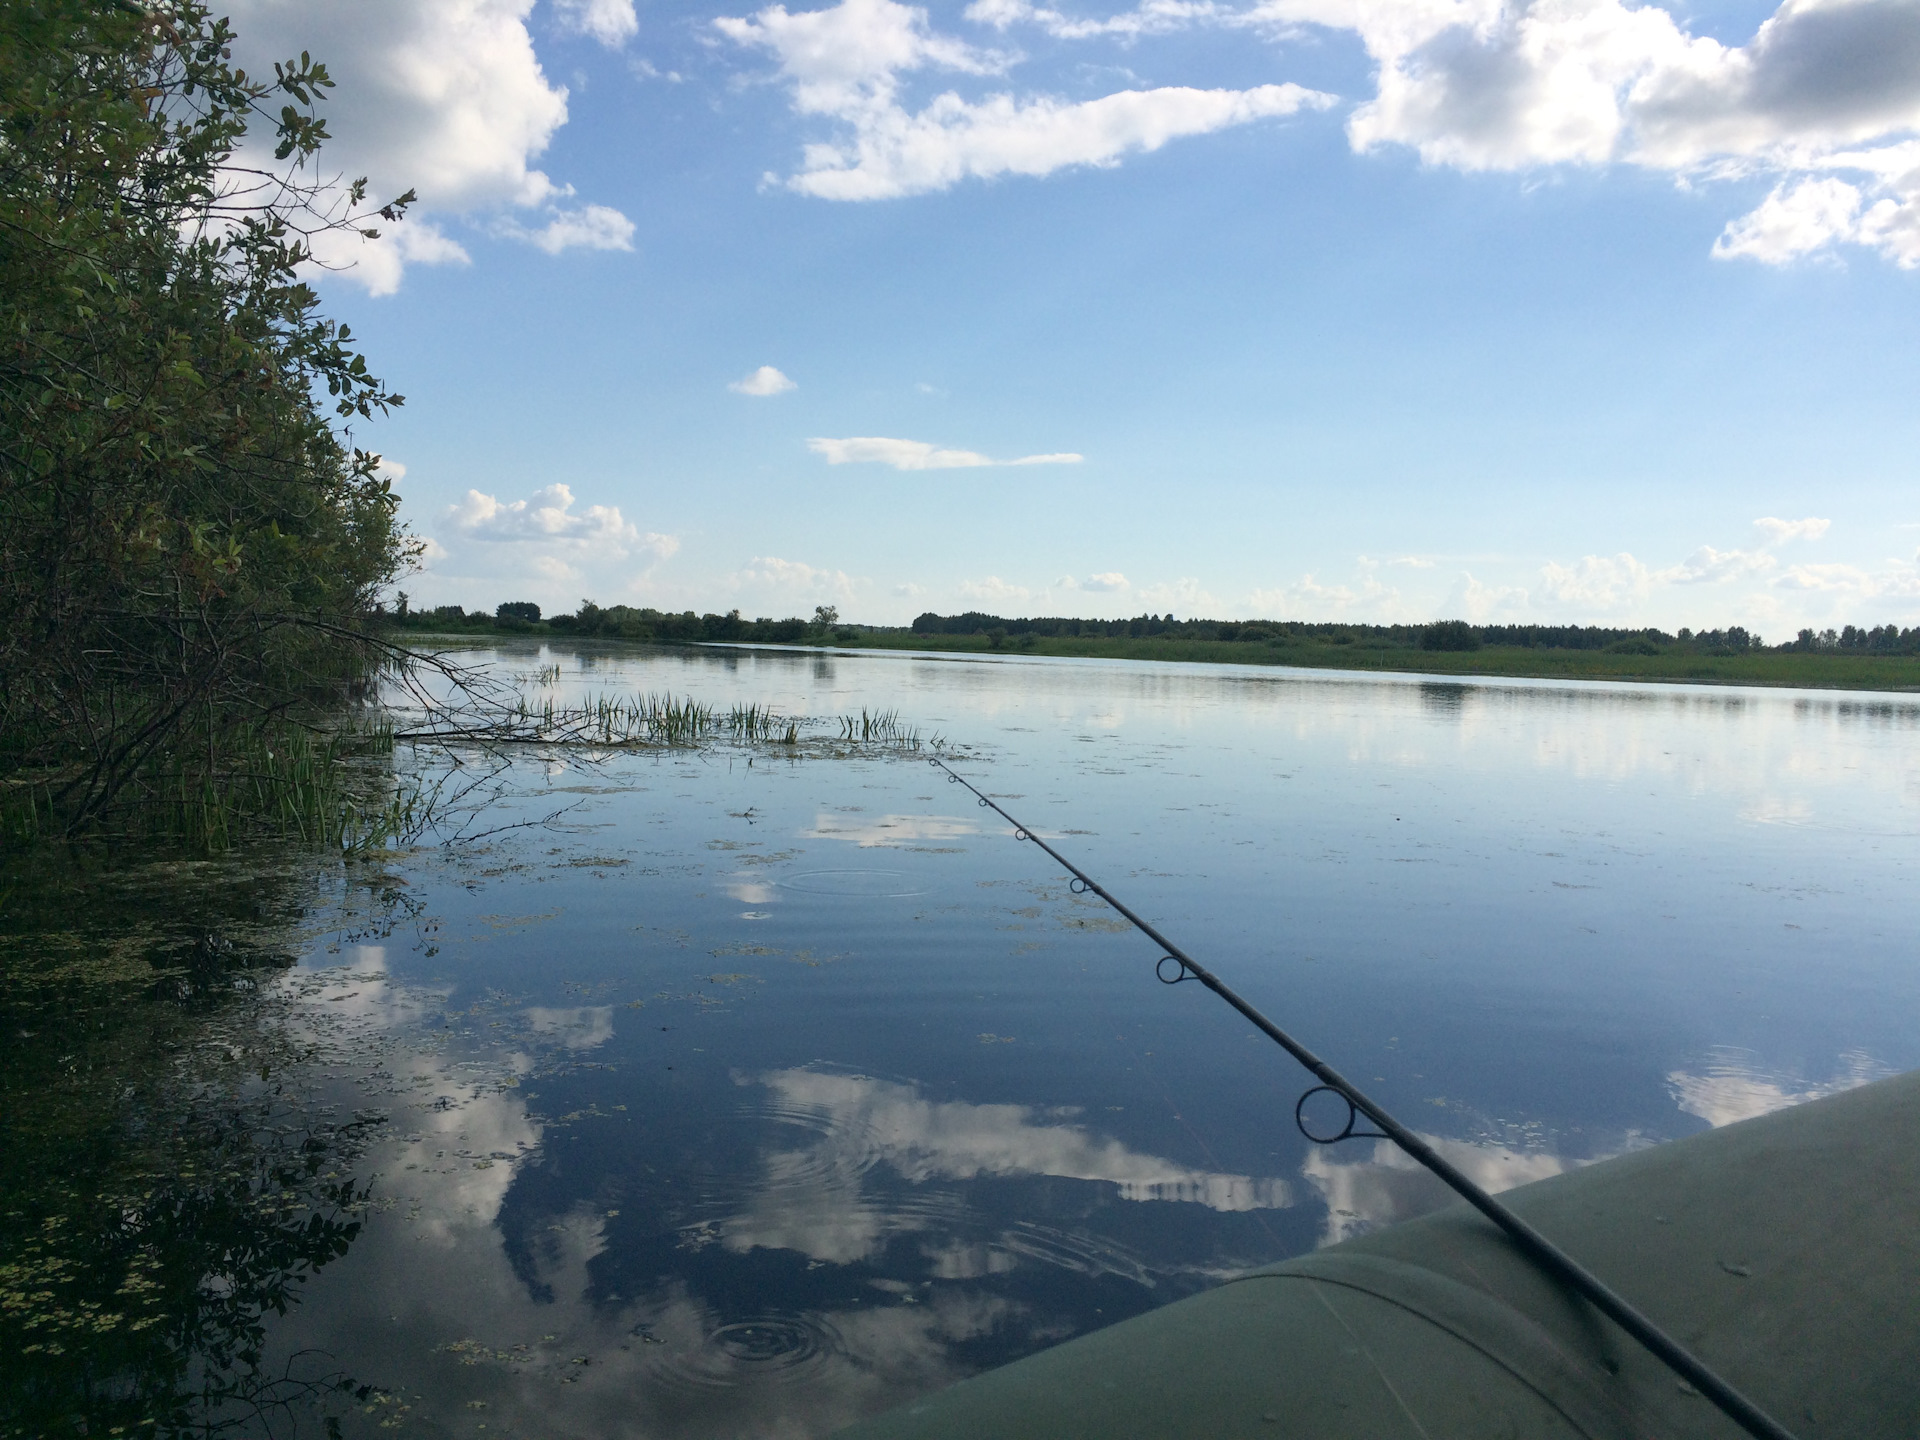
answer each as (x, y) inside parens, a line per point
(1567, 311)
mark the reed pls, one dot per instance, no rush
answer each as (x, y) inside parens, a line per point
(878, 727)
(330, 787)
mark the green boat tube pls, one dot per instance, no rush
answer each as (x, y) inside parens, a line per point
(1783, 1251)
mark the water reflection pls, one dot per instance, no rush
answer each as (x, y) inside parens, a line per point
(1735, 1085)
(1387, 1187)
(812, 1196)
(890, 830)
(169, 1181)
(852, 1261)
(745, 1100)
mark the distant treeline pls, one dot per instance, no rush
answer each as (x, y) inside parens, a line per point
(622, 622)
(626, 622)
(1439, 635)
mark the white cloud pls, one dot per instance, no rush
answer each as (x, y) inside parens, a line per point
(1897, 580)
(1824, 86)
(1598, 582)
(1780, 531)
(1474, 599)
(1185, 594)
(916, 454)
(1306, 598)
(1155, 17)
(994, 591)
(1708, 564)
(591, 227)
(764, 381)
(1824, 99)
(611, 22)
(1793, 221)
(1107, 580)
(380, 265)
(445, 97)
(951, 140)
(794, 579)
(845, 63)
(548, 516)
(1824, 89)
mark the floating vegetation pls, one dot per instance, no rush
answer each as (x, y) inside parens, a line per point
(646, 721)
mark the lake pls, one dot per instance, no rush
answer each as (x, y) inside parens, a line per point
(723, 1092)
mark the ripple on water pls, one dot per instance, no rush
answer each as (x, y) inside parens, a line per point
(763, 1350)
(868, 884)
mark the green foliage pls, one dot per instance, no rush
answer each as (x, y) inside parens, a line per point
(188, 539)
(1449, 635)
(612, 622)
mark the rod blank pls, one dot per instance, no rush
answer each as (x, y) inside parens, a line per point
(1542, 1251)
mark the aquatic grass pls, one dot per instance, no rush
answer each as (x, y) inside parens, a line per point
(878, 727)
(641, 721)
(330, 786)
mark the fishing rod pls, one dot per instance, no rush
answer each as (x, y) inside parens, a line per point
(1542, 1251)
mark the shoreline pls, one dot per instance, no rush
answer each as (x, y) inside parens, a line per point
(1794, 670)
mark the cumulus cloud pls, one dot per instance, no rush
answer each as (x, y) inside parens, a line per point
(995, 591)
(764, 381)
(1851, 585)
(1597, 582)
(1824, 98)
(445, 97)
(1776, 593)
(1825, 88)
(794, 579)
(1156, 17)
(917, 454)
(548, 515)
(845, 63)
(1710, 565)
(1106, 580)
(1185, 594)
(1307, 596)
(1791, 222)
(591, 227)
(611, 22)
(1474, 599)
(1780, 531)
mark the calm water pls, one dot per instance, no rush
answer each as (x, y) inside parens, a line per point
(744, 1100)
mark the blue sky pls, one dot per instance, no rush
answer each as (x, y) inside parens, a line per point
(1314, 309)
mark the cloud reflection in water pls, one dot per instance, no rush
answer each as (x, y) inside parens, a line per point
(811, 1196)
(1733, 1086)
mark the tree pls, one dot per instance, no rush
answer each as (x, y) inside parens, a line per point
(826, 616)
(1449, 635)
(189, 539)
